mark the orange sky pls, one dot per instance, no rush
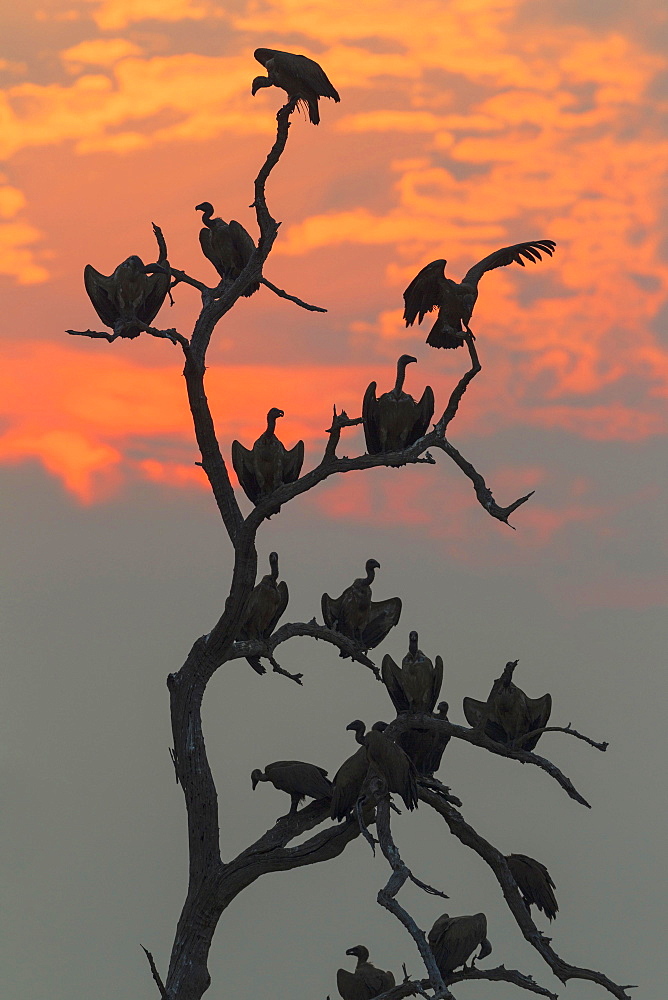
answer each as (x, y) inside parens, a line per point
(463, 126)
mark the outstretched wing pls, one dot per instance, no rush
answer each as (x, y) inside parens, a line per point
(242, 462)
(509, 255)
(539, 712)
(436, 681)
(391, 675)
(424, 292)
(424, 411)
(382, 616)
(331, 608)
(157, 286)
(370, 420)
(292, 462)
(100, 291)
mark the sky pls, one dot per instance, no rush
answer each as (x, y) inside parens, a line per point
(464, 125)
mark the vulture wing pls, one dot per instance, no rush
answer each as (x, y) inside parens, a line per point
(473, 710)
(244, 246)
(382, 616)
(244, 466)
(209, 251)
(424, 292)
(456, 939)
(331, 609)
(350, 987)
(436, 682)
(100, 292)
(534, 882)
(348, 782)
(282, 605)
(292, 462)
(307, 71)
(425, 411)
(539, 712)
(391, 675)
(157, 286)
(508, 255)
(370, 420)
(375, 980)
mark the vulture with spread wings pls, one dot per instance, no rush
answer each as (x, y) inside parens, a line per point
(395, 421)
(509, 714)
(129, 299)
(430, 289)
(355, 615)
(300, 77)
(268, 464)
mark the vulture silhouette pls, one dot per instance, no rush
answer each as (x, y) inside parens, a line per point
(266, 604)
(416, 684)
(454, 939)
(297, 778)
(389, 761)
(300, 77)
(268, 464)
(508, 714)
(226, 244)
(534, 882)
(131, 297)
(395, 421)
(424, 746)
(349, 779)
(430, 289)
(366, 981)
(355, 615)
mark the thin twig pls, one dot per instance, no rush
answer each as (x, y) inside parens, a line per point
(348, 647)
(278, 669)
(560, 729)
(155, 973)
(292, 298)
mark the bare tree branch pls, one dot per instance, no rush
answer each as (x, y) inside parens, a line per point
(293, 298)
(461, 387)
(156, 974)
(256, 647)
(562, 729)
(497, 862)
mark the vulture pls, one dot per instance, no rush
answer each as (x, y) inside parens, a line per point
(416, 685)
(424, 746)
(454, 939)
(227, 245)
(395, 421)
(268, 464)
(296, 778)
(130, 298)
(265, 606)
(300, 77)
(534, 882)
(508, 714)
(366, 981)
(349, 779)
(389, 761)
(430, 289)
(355, 615)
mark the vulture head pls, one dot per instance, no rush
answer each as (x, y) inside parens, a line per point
(359, 951)
(274, 414)
(256, 775)
(259, 82)
(412, 643)
(273, 562)
(205, 207)
(358, 728)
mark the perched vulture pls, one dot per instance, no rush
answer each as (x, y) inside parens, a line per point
(424, 746)
(366, 981)
(349, 779)
(130, 298)
(454, 939)
(227, 245)
(265, 606)
(297, 779)
(508, 714)
(389, 761)
(416, 685)
(534, 882)
(298, 76)
(355, 615)
(430, 289)
(395, 421)
(268, 464)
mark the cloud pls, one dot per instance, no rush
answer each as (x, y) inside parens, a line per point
(17, 258)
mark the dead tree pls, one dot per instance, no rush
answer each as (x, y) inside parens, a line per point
(214, 883)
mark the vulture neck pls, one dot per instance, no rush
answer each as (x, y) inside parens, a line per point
(271, 423)
(401, 375)
(207, 215)
(370, 576)
(413, 645)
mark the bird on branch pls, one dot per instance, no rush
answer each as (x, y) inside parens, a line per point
(534, 882)
(366, 982)
(425, 747)
(268, 464)
(297, 778)
(266, 604)
(301, 78)
(129, 299)
(226, 244)
(430, 289)
(388, 761)
(395, 421)
(509, 714)
(454, 939)
(416, 684)
(356, 616)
